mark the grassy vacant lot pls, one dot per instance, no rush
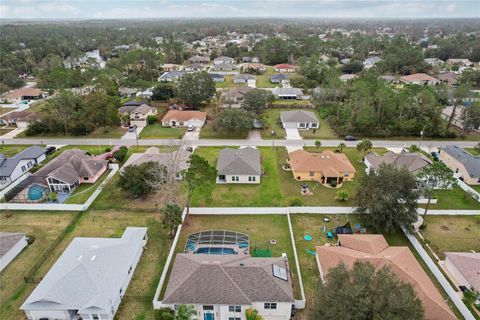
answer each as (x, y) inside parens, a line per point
(45, 227)
(101, 133)
(452, 233)
(267, 193)
(208, 132)
(157, 131)
(260, 228)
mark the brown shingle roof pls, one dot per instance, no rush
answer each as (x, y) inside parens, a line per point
(24, 115)
(180, 115)
(8, 240)
(400, 260)
(330, 163)
(418, 77)
(468, 263)
(414, 162)
(31, 92)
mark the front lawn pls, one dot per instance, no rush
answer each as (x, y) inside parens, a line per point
(267, 193)
(157, 131)
(100, 133)
(45, 227)
(263, 80)
(209, 132)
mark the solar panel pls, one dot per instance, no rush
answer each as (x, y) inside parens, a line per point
(280, 273)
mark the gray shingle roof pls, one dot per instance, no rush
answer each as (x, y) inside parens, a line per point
(244, 161)
(8, 240)
(414, 162)
(172, 75)
(89, 274)
(226, 279)
(298, 116)
(287, 92)
(471, 162)
(7, 165)
(278, 77)
(243, 76)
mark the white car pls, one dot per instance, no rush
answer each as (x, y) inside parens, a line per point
(190, 128)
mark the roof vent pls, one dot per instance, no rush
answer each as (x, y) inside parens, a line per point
(93, 258)
(80, 257)
(242, 264)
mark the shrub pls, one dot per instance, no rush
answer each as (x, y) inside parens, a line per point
(164, 314)
(151, 119)
(120, 154)
(31, 239)
(342, 195)
(295, 202)
(108, 149)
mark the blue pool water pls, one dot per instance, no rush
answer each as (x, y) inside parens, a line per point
(209, 250)
(35, 192)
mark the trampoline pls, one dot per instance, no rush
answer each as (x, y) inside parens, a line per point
(35, 192)
(216, 242)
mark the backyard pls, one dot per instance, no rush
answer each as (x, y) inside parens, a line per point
(157, 131)
(85, 190)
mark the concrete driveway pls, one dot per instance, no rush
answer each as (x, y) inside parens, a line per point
(192, 135)
(293, 134)
(131, 135)
(12, 134)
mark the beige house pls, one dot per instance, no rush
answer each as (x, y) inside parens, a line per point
(327, 167)
(138, 114)
(465, 165)
(179, 118)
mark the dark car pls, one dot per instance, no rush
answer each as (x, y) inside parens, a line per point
(51, 149)
(189, 149)
(434, 155)
(350, 138)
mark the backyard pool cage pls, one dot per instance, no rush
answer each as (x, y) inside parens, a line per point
(213, 239)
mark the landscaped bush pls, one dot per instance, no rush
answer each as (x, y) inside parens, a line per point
(164, 314)
(121, 154)
(108, 149)
(151, 119)
(342, 195)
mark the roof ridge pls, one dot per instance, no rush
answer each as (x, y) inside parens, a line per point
(222, 267)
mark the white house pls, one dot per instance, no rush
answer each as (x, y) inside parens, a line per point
(180, 118)
(239, 166)
(13, 168)
(299, 119)
(223, 60)
(11, 244)
(89, 279)
(288, 93)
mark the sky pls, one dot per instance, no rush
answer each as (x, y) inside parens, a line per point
(135, 9)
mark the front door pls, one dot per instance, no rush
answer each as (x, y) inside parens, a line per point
(208, 316)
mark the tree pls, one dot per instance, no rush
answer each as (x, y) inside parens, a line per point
(471, 117)
(140, 180)
(387, 197)
(252, 314)
(257, 100)
(185, 312)
(364, 293)
(200, 174)
(65, 108)
(163, 92)
(363, 147)
(477, 147)
(120, 154)
(165, 314)
(340, 147)
(435, 176)
(102, 110)
(234, 120)
(195, 89)
(171, 218)
(318, 144)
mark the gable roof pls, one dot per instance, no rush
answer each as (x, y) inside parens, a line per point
(134, 103)
(419, 77)
(329, 163)
(279, 77)
(23, 92)
(24, 115)
(244, 161)
(7, 165)
(173, 161)
(171, 75)
(471, 162)
(468, 263)
(414, 162)
(298, 116)
(89, 274)
(375, 250)
(243, 76)
(184, 115)
(284, 66)
(238, 92)
(287, 92)
(144, 109)
(198, 59)
(8, 240)
(226, 279)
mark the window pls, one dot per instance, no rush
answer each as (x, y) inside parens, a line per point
(235, 178)
(85, 178)
(270, 305)
(95, 317)
(313, 125)
(24, 169)
(346, 174)
(302, 125)
(234, 318)
(130, 270)
(312, 173)
(234, 308)
(208, 308)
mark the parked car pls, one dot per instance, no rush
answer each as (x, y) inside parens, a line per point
(190, 128)
(189, 149)
(51, 150)
(434, 155)
(350, 138)
(132, 128)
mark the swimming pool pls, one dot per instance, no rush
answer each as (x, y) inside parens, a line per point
(35, 192)
(215, 250)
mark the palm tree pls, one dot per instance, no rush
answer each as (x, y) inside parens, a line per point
(318, 144)
(252, 314)
(341, 145)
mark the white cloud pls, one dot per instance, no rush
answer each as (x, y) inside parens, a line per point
(451, 7)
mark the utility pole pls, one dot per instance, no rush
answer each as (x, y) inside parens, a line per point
(421, 138)
(273, 138)
(136, 136)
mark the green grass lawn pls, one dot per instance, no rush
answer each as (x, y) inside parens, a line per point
(455, 198)
(324, 132)
(473, 151)
(85, 190)
(263, 80)
(9, 150)
(267, 193)
(45, 227)
(228, 83)
(101, 133)
(157, 131)
(208, 132)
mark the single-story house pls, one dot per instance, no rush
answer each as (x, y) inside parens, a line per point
(89, 279)
(198, 60)
(195, 67)
(390, 79)
(250, 59)
(22, 119)
(184, 118)
(299, 119)
(327, 167)
(223, 60)
(464, 267)
(278, 78)
(253, 67)
(217, 77)
(239, 166)
(224, 286)
(465, 165)
(284, 67)
(370, 62)
(373, 248)
(347, 77)
(233, 98)
(171, 76)
(223, 67)
(70, 169)
(243, 78)
(135, 103)
(127, 92)
(287, 93)
(169, 67)
(11, 244)
(138, 114)
(146, 94)
(460, 62)
(26, 93)
(449, 78)
(434, 62)
(420, 79)
(13, 168)
(414, 161)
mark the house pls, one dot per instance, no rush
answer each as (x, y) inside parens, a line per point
(11, 244)
(184, 118)
(22, 94)
(243, 78)
(233, 98)
(223, 67)
(413, 162)
(239, 166)
(464, 267)
(195, 67)
(389, 79)
(169, 67)
(460, 62)
(278, 78)
(420, 79)
(299, 119)
(370, 62)
(465, 165)
(138, 114)
(135, 103)
(250, 59)
(70, 169)
(89, 279)
(253, 67)
(223, 60)
(348, 77)
(217, 77)
(327, 167)
(223, 286)
(171, 76)
(373, 248)
(287, 93)
(449, 78)
(175, 162)
(284, 67)
(146, 94)
(198, 60)
(434, 62)
(13, 168)
(127, 92)
(21, 119)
